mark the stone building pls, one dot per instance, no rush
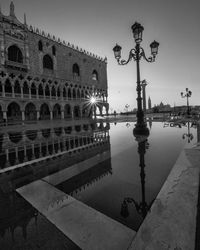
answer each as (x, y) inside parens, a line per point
(42, 77)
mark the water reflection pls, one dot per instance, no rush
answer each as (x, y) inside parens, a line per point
(188, 135)
(18, 147)
(141, 135)
(34, 154)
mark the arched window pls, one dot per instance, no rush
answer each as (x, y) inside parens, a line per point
(25, 88)
(40, 46)
(47, 62)
(15, 54)
(17, 88)
(75, 70)
(8, 86)
(47, 91)
(94, 75)
(53, 50)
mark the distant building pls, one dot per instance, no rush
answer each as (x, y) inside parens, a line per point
(42, 77)
(149, 103)
(162, 108)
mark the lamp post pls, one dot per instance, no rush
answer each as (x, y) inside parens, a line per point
(136, 54)
(187, 95)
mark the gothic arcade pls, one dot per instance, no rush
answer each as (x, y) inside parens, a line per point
(44, 78)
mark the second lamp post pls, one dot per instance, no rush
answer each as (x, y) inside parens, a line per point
(136, 54)
(187, 94)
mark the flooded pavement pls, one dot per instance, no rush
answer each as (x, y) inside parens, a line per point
(99, 164)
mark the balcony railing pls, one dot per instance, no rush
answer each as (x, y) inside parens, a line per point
(16, 65)
(42, 97)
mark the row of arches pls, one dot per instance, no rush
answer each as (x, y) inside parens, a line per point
(50, 91)
(15, 55)
(17, 155)
(48, 134)
(13, 112)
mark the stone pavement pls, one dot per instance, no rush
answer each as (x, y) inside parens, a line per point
(86, 227)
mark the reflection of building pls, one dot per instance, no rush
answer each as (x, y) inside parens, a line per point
(30, 150)
(86, 178)
(10, 220)
(43, 77)
(40, 153)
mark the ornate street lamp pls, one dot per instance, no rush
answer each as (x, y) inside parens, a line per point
(136, 54)
(187, 95)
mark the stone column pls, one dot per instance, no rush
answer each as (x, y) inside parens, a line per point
(16, 155)
(62, 114)
(5, 116)
(33, 151)
(51, 115)
(38, 114)
(3, 89)
(13, 92)
(7, 158)
(37, 95)
(143, 85)
(29, 92)
(22, 94)
(25, 156)
(23, 115)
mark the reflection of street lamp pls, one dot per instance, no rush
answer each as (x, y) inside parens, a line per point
(136, 54)
(187, 95)
(188, 134)
(141, 207)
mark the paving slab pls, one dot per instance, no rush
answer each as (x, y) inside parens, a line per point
(171, 223)
(86, 227)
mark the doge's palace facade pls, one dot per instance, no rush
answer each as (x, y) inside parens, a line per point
(45, 78)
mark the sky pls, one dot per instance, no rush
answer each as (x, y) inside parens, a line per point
(97, 25)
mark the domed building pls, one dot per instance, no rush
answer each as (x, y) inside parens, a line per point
(45, 78)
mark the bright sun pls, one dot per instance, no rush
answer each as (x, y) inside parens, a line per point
(93, 100)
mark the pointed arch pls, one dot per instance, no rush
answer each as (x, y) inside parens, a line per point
(74, 93)
(77, 113)
(47, 90)
(17, 87)
(67, 111)
(75, 70)
(64, 92)
(40, 46)
(40, 90)
(15, 54)
(56, 111)
(8, 86)
(94, 75)
(30, 112)
(47, 62)
(44, 112)
(14, 112)
(33, 89)
(25, 88)
(69, 95)
(53, 91)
